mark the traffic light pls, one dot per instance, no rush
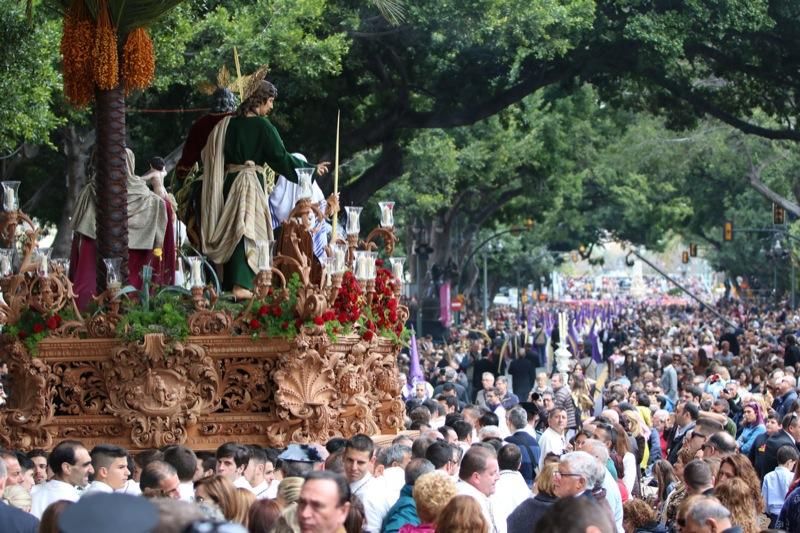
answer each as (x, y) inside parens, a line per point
(778, 215)
(727, 231)
(692, 249)
(685, 257)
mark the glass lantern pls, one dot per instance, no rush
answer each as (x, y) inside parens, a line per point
(10, 195)
(397, 264)
(372, 270)
(339, 258)
(304, 191)
(6, 262)
(387, 214)
(361, 266)
(113, 272)
(197, 275)
(353, 222)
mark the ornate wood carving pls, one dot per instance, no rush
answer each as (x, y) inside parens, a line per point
(206, 391)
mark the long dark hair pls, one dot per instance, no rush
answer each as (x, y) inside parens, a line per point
(263, 92)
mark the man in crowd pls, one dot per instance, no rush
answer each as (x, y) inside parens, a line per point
(358, 465)
(232, 460)
(478, 477)
(71, 465)
(487, 384)
(553, 440)
(110, 465)
(517, 421)
(562, 398)
(507, 398)
(260, 473)
(14, 520)
(323, 503)
(184, 461)
(39, 458)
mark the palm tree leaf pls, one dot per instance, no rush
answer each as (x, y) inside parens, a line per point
(392, 10)
(130, 14)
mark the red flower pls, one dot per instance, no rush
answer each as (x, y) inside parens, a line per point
(318, 320)
(342, 317)
(298, 323)
(284, 325)
(52, 322)
(263, 310)
(392, 316)
(328, 315)
(276, 310)
(392, 304)
(22, 335)
(38, 327)
(379, 263)
(368, 335)
(255, 324)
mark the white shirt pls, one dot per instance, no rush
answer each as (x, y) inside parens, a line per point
(394, 478)
(464, 488)
(131, 487)
(186, 490)
(52, 491)
(261, 490)
(614, 499)
(242, 483)
(551, 442)
(629, 479)
(774, 488)
(97, 487)
(272, 491)
(510, 491)
(373, 495)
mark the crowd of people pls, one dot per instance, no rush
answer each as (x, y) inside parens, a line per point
(687, 421)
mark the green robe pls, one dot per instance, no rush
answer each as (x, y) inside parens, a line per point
(253, 139)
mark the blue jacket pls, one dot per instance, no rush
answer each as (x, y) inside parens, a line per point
(13, 520)
(530, 454)
(403, 512)
(749, 436)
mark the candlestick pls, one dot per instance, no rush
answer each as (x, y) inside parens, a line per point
(397, 267)
(340, 256)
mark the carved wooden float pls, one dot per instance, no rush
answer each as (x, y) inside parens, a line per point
(202, 392)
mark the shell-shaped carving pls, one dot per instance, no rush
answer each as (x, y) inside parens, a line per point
(304, 384)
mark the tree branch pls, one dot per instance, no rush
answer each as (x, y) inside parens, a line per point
(388, 167)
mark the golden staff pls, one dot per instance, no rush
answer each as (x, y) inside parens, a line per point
(336, 178)
(239, 81)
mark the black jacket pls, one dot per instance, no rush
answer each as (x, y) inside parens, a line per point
(767, 455)
(524, 518)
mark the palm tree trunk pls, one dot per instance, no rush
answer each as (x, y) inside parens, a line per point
(112, 196)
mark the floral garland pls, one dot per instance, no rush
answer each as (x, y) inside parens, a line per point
(33, 327)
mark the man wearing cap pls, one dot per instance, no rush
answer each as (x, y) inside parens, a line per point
(14, 520)
(71, 465)
(323, 503)
(297, 460)
(110, 464)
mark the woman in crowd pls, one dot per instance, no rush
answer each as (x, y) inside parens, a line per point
(669, 512)
(462, 514)
(262, 516)
(218, 491)
(638, 517)
(738, 466)
(432, 492)
(244, 499)
(740, 500)
(751, 426)
(524, 518)
(666, 481)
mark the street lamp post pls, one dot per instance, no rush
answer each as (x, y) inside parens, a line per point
(485, 291)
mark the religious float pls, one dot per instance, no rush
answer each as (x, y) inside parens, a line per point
(311, 356)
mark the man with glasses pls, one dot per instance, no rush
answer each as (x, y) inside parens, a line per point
(719, 445)
(577, 475)
(323, 503)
